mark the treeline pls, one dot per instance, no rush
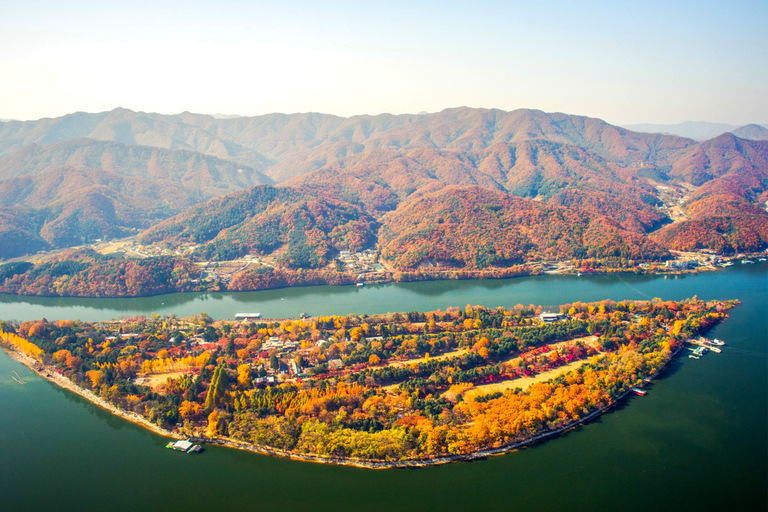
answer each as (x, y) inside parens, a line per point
(88, 274)
(268, 278)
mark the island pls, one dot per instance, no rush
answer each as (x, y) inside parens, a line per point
(394, 390)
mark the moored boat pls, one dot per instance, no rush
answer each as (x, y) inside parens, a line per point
(639, 391)
(247, 316)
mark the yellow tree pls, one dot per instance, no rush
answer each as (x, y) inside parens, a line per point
(243, 375)
(189, 410)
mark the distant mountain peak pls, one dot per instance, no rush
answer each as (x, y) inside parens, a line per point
(752, 132)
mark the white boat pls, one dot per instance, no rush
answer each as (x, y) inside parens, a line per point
(247, 316)
(360, 285)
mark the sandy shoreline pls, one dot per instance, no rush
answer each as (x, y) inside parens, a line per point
(51, 375)
(61, 381)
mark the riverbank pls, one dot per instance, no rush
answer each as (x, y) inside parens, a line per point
(26, 280)
(51, 375)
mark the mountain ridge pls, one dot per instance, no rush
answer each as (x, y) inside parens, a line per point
(346, 182)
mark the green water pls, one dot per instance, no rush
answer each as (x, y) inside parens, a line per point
(697, 441)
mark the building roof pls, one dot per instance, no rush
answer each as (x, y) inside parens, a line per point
(184, 445)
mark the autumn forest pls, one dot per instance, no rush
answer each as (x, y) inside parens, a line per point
(410, 386)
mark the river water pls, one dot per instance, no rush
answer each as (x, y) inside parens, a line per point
(697, 441)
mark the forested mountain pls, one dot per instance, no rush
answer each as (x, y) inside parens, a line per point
(696, 130)
(305, 232)
(127, 127)
(476, 228)
(287, 145)
(63, 194)
(559, 185)
(752, 132)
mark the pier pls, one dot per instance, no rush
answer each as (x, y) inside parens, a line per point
(703, 345)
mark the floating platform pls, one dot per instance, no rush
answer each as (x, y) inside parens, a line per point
(185, 446)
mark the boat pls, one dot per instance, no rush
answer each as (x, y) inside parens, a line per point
(638, 391)
(360, 285)
(185, 446)
(694, 356)
(761, 259)
(716, 341)
(247, 316)
(746, 261)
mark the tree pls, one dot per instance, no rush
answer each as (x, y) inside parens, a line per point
(96, 376)
(243, 375)
(213, 424)
(189, 410)
(374, 359)
(216, 390)
(274, 363)
(231, 346)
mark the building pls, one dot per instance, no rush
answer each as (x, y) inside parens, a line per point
(549, 318)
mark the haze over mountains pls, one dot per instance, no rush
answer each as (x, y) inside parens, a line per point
(702, 130)
(462, 187)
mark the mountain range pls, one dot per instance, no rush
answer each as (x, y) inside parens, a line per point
(702, 130)
(459, 188)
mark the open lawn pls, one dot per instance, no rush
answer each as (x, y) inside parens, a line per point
(523, 382)
(157, 380)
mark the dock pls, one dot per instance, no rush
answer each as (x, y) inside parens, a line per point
(185, 446)
(703, 345)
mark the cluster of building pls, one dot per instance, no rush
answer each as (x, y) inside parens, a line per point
(364, 261)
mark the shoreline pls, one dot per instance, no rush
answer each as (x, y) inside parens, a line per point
(63, 382)
(67, 384)
(444, 275)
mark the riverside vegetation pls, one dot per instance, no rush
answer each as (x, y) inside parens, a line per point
(385, 388)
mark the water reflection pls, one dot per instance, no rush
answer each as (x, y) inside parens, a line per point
(549, 290)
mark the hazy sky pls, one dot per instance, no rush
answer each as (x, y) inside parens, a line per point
(625, 62)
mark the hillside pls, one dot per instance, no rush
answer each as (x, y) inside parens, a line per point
(80, 190)
(349, 183)
(476, 228)
(288, 145)
(304, 232)
(752, 132)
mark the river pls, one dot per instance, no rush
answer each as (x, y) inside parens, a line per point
(697, 441)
